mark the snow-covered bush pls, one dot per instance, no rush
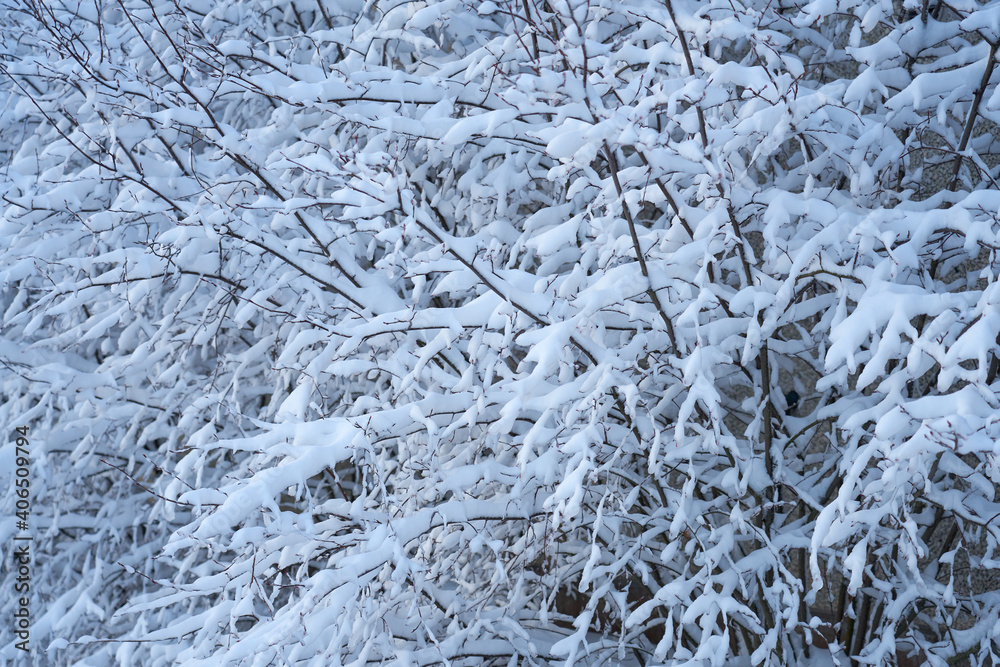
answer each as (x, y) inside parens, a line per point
(505, 332)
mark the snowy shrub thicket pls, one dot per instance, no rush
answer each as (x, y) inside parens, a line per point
(513, 332)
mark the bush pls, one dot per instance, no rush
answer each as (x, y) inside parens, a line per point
(641, 332)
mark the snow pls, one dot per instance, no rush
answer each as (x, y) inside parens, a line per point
(457, 333)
